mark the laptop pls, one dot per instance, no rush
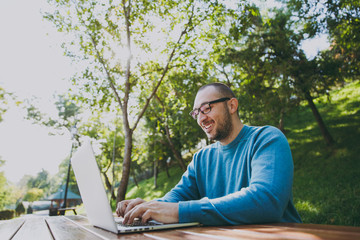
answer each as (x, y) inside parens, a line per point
(95, 200)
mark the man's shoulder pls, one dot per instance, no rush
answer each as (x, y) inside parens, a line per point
(263, 133)
(264, 130)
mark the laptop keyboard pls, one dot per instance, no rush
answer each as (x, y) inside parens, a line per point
(136, 222)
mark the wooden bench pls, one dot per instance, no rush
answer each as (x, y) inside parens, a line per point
(60, 211)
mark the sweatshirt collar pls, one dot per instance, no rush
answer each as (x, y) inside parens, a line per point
(236, 140)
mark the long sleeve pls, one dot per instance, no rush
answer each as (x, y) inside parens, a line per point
(247, 181)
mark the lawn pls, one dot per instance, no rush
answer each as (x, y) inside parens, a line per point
(326, 182)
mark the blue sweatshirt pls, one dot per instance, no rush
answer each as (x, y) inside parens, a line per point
(245, 182)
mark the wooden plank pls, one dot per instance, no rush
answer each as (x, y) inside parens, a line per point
(83, 222)
(320, 227)
(322, 231)
(192, 233)
(261, 232)
(298, 231)
(267, 231)
(63, 229)
(33, 228)
(8, 228)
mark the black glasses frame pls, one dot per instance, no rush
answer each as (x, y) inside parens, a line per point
(195, 112)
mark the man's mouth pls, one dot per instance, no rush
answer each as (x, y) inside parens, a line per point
(207, 125)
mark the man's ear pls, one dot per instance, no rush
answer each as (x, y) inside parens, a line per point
(233, 105)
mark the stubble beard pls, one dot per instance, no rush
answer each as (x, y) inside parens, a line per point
(224, 128)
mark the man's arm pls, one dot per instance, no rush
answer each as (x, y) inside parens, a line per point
(166, 209)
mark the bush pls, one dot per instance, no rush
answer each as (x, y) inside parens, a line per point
(20, 209)
(7, 214)
(29, 210)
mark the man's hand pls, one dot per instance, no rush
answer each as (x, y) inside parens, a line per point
(160, 211)
(125, 206)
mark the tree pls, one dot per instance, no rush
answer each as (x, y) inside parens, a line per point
(34, 194)
(273, 67)
(4, 188)
(174, 130)
(128, 79)
(20, 209)
(40, 181)
(4, 101)
(111, 143)
(339, 19)
(68, 115)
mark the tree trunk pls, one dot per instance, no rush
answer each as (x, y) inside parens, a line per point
(281, 121)
(173, 149)
(324, 131)
(126, 166)
(129, 131)
(167, 170)
(109, 186)
(155, 173)
(135, 180)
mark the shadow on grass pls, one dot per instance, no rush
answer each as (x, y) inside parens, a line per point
(326, 180)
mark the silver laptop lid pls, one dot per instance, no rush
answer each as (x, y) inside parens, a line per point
(92, 189)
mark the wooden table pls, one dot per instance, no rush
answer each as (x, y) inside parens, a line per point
(78, 227)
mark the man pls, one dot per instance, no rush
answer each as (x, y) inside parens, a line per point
(243, 178)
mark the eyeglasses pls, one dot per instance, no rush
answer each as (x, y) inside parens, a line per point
(205, 108)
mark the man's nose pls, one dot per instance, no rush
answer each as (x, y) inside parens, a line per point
(200, 117)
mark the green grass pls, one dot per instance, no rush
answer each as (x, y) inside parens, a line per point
(146, 189)
(326, 180)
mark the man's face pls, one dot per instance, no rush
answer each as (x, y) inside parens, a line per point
(217, 123)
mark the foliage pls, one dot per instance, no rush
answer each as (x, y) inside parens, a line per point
(68, 114)
(172, 132)
(4, 189)
(20, 209)
(340, 20)
(108, 138)
(3, 102)
(7, 214)
(59, 180)
(34, 194)
(270, 70)
(117, 73)
(41, 181)
(5, 98)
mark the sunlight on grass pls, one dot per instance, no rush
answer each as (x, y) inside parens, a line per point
(147, 190)
(306, 206)
(309, 127)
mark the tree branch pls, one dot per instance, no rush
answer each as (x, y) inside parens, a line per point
(165, 69)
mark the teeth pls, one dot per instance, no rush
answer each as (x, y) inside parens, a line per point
(206, 126)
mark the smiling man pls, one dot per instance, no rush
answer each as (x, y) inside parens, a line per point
(245, 177)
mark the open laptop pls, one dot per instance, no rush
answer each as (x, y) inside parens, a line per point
(95, 200)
